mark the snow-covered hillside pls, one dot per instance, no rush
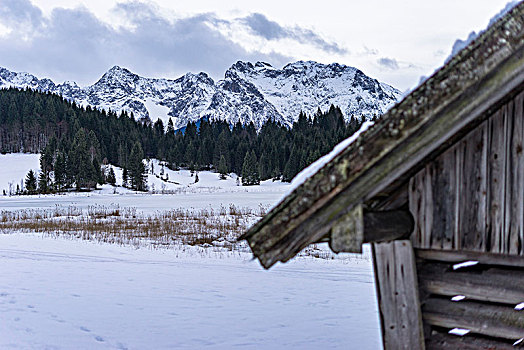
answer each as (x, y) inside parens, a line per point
(248, 93)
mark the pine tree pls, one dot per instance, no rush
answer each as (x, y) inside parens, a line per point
(30, 182)
(250, 170)
(292, 166)
(80, 165)
(111, 178)
(137, 169)
(125, 177)
(46, 166)
(170, 128)
(60, 171)
(43, 182)
(222, 168)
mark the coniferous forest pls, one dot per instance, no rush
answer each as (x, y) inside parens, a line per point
(75, 142)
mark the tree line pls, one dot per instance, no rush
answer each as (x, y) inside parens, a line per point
(76, 142)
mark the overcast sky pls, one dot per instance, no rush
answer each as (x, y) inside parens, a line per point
(393, 41)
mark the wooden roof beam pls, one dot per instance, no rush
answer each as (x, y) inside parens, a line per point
(360, 226)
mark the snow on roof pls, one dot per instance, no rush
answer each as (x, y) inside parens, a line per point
(319, 163)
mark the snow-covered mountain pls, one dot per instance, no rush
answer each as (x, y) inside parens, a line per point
(248, 93)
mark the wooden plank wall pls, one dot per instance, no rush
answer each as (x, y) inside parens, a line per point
(489, 305)
(472, 196)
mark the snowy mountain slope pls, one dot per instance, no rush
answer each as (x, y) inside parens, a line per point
(307, 86)
(248, 93)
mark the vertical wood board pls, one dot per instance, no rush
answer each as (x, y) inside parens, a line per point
(472, 211)
(515, 179)
(496, 182)
(397, 293)
(416, 206)
(443, 187)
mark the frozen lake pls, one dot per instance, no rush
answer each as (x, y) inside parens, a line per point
(68, 294)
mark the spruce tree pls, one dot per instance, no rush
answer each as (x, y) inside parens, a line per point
(46, 166)
(60, 171)
(222, 168)
(111, 178)
(43, 182)
(137, 169)
(80, 165)
(292, 166)
(30, 182)
(250, 170)
(125, 177)
(170, 128)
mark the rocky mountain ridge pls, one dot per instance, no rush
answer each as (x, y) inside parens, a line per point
(248, 93)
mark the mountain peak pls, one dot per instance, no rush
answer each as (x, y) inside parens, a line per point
(117, 69)
(119, 73)
(250, 92)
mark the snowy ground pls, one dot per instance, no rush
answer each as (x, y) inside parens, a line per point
(179, 190)
(13, 169)
(72, 294)
(62, 294)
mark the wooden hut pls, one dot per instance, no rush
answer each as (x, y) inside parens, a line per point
(437, 188)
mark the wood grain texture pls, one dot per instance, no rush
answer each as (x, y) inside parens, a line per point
(454, 256)
(497, 127)
(417, 205)
(434, 197)
(515, 178)
(491, 285)
(471, 197)
(444, 191)
(472, 209)
(397, 293)
(347, 234)
(441, 341)
(487, 319)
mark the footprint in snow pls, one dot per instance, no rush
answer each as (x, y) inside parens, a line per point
(99, 339)
(85, 329)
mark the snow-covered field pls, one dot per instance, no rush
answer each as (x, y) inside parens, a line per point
(13, 169)
(64, 293)
(68, 294)
(179, 191)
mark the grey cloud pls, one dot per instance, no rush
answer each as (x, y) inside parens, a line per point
(261, 26)
(389, 63)
(369, 52)
(265, 28)
(20, 14)
(76, 45)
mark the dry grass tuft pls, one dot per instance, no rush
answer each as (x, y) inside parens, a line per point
(203, 227)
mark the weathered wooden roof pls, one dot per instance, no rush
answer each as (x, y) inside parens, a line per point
(448, 104)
